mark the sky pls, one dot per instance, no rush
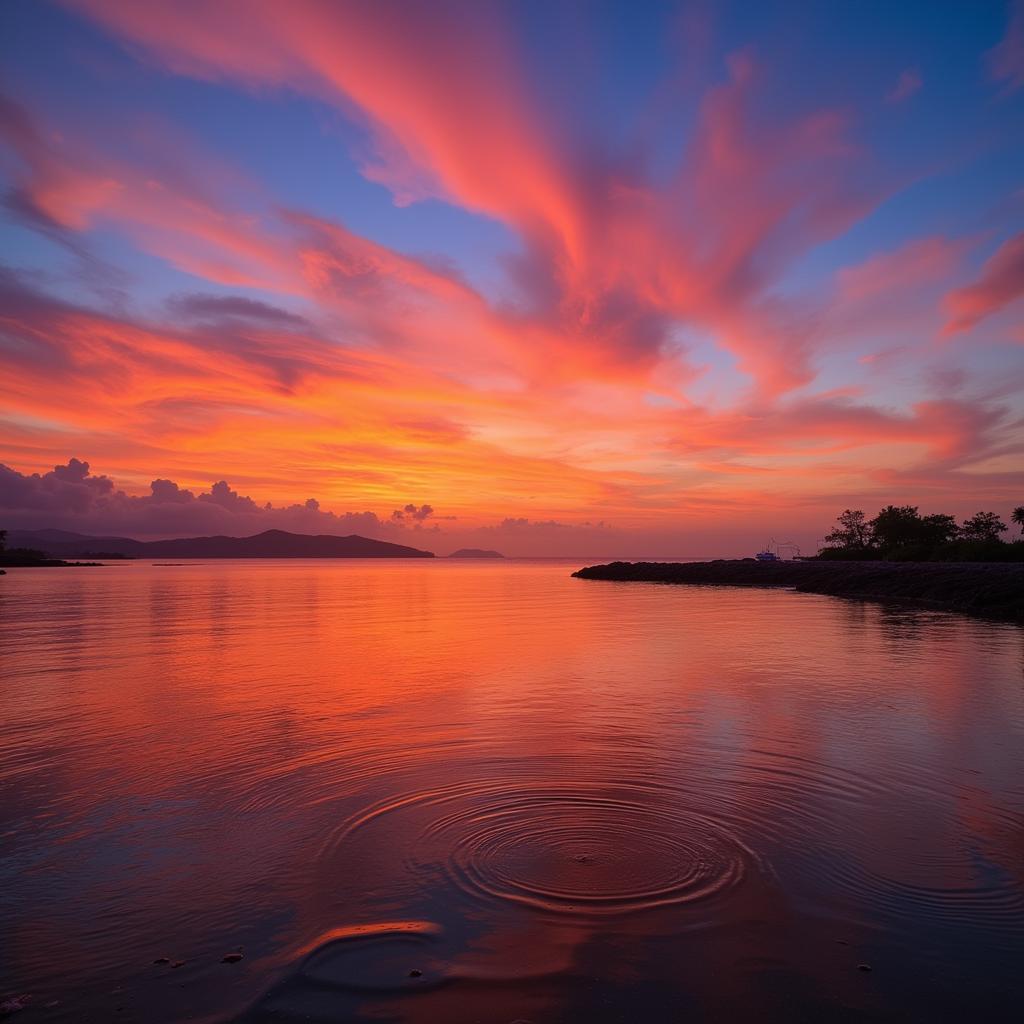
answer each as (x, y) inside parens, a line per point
(553, 277)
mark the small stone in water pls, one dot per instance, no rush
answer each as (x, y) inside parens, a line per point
(162, 960)
(231, 958)
(863, 967)
(178, 963)
(415, 974)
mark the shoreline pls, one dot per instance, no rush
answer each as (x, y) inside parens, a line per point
(990, 590)
(44, 563)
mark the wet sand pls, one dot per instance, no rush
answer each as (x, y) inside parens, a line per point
(993, 590)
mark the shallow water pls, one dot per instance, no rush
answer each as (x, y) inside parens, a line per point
(474, 791)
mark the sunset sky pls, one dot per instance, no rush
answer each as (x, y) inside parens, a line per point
(637, 278)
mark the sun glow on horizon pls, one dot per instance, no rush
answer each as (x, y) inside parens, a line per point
(577, 280)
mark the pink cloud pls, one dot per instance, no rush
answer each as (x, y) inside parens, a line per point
(1000, 283)
(908, 83)
(71, 497)
(465, 132)
(919, 262)
(946, 429)
(610, 259)
(387, 298)
(391, 375)
(1006, 60)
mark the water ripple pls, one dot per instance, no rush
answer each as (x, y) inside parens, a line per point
(579, 847)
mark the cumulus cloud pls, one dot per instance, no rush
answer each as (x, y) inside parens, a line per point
(71, 497)
(168, 492)
(68, 488)
(663, 335)
(416, 513)
(221, 494)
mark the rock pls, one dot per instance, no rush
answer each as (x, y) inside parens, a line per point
(178, 963)
(231, 958)
(988, 589)
(864, 967)
(415, 974)
(162, 960)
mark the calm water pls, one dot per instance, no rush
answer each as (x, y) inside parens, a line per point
(554, 799)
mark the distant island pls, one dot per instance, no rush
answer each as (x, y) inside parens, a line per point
(475, 553)
(58, 544)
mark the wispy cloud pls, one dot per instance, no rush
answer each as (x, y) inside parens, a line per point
(723, 313)
(1006, 60)
(908, 83)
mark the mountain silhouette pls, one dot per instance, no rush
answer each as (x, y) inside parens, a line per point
(269, 544)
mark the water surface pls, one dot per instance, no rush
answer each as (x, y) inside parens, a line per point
(486, 791)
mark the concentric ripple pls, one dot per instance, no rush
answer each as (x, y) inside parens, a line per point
(584, 847)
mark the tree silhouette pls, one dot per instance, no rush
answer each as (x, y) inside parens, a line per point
(896, 526)
(938, 529)
(853, 532)
(983, 526)
(901, 533)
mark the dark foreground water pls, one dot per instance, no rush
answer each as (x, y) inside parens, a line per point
(455, 792)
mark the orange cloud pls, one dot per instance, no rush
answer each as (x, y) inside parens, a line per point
(609, 260)
(372, 377)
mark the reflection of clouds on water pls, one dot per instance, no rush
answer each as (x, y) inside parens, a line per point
(578, 789)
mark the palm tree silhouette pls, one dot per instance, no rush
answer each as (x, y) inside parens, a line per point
(1018, 517)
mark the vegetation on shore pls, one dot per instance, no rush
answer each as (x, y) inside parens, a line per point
(901, 534)
(989, 590)
(22, 558)
(931, 561)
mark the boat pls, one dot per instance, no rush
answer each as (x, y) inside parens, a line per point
(773, 551)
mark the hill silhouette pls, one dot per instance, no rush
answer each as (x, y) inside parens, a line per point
(269, 544)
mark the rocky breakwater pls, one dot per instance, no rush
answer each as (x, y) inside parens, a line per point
(992, 590)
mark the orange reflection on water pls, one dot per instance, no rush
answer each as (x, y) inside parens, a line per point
(595, 798)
